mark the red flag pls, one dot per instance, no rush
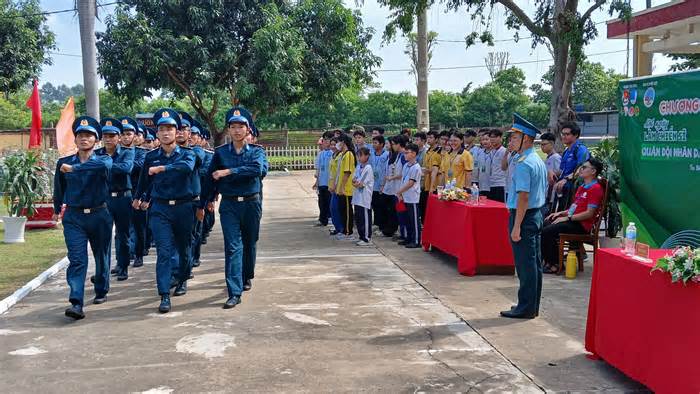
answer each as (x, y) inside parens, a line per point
(34, 103)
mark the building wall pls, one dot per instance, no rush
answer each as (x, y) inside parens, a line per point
(12, 139)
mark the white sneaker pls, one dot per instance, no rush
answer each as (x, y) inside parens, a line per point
(340, 237)
(363, 243)
(350, 238)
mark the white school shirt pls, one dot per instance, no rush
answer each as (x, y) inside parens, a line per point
(363, 196)
(411, 173)
(391, 187)
(498, 176)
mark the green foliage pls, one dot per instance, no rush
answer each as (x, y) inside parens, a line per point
(594, 86)
(21, 183)
(683, 265)
(685, 62)
(14, 115)
(608, 152)
(265, 54)
(24, 43)
(59, 94)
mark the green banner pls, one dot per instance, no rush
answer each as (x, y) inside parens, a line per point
(660, 154)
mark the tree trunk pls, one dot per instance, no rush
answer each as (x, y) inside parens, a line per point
(423, 114)
(86, 19)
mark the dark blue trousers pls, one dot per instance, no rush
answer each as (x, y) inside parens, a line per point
(172, 231)
(79, 228)
(240, 222)
(413, 224)
(528, 261)
(120, 209)
(336, 217)
(139, 224)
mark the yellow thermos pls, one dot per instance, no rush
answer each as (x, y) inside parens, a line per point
(571, 265)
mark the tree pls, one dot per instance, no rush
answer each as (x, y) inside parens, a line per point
(558, 24)
(411, 50)
(593, 86)
(87, 12)
(265, 54)
(25, 42)
(496, 61)
(685, 62)
(59, 94)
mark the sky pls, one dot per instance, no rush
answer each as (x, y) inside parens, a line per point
(450, 26)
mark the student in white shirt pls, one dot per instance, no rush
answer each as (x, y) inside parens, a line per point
(409, 193)
(363, 184)
(497, 180)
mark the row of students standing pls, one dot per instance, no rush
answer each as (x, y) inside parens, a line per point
(178, 182)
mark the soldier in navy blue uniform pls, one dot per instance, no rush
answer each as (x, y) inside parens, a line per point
(209, 215)
(165, 186)
(137, 233)
(235, 172)
(196, 143)
(250, 244)
(81, 183)
(119, 200)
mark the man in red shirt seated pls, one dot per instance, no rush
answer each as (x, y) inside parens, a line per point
(578, 219)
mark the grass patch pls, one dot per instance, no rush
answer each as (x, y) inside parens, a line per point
(20, 263)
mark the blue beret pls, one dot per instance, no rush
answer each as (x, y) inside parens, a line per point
(87, 124)
(521, 125)
(167, 116)
(111, 125)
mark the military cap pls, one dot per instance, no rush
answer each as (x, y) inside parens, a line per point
(196, 127)
(150, 134)
(111, 126)
(87, 124)
(129, 124)
(166, 116)
(185, 119)
(521, 125)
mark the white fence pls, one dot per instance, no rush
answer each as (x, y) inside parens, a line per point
(291, 157)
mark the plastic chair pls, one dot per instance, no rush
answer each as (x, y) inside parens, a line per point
(683, 238)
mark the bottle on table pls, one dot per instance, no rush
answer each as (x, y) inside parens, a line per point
(475, 194)
(630, 239)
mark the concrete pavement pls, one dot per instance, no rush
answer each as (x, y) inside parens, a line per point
(322, 316)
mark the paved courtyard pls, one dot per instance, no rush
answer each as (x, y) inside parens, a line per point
(322, 316)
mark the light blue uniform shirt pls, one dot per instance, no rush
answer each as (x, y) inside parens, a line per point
(323, 160)
(530, 176)
(363, 196)
(411, 172)
(378, 163)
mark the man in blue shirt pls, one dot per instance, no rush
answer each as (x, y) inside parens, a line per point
(526, 197)
(574, 155)
(236, 172)
(166, 186)
(119, 201)
(322, 164)
(378, 158)
(81, 182)
(195, 142)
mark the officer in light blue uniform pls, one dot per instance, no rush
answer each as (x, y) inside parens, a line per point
(528, 193)
(119, 201)
(165, 186)
(138, 216)
(81, 182)
(236, 172)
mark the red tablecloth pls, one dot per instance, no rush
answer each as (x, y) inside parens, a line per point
(476, 235)
(644, 325)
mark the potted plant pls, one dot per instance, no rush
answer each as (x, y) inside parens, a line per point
(21, 187)
(43, 206)
(608, 152)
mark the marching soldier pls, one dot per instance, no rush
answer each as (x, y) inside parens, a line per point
(526, 197)
(166, 186)
(235, 172)
(82, 183)
(138, 216)
(119, 190)
(209, 215)
(196, 143)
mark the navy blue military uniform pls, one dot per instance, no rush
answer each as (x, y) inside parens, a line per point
(240, 209)
(137, 231)
(198, 230)
(119, 201)
(85, 190)
(209, 216)
(530, 176)
(171, 205)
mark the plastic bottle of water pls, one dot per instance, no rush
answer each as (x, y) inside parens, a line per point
(630, 239)
(475, 194)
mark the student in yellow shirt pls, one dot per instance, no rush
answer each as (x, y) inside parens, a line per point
(432, 141)
(344, 186)
(438, 170)
(332, 181)
(460, 162)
